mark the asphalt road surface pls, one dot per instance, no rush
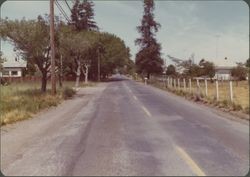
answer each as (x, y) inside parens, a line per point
(126, 128)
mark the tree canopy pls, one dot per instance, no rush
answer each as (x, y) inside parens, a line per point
(207, 68)
(82, 15)
(171, 70)
(239, 72)
(148, 59)
(77, 52)
(248, 63)
(31, 41)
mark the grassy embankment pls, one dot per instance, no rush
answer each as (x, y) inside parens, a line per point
(21, 101)
(241, 94)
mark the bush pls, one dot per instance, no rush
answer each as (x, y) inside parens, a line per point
(68, 92)
(225, 103)
(236, 107)
(247, 110)
(3, 81)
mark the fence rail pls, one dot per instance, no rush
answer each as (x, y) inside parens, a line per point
(232, 91)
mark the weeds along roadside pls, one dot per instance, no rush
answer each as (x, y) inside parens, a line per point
(225, 105)
(20, 101)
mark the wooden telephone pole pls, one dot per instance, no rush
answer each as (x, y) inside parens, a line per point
(98, 72)
(52, 45)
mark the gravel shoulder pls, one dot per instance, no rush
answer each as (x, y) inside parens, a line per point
(28, 147)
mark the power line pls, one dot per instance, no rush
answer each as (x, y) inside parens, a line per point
(68, 5)
(62, 11)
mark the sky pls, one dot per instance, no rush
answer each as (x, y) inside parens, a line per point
(187, 27)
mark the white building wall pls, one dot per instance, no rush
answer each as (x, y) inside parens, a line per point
(222, 76)
(18, 73)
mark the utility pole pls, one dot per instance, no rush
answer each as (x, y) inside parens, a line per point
(61, 72)
(98, 53)
(52, 45)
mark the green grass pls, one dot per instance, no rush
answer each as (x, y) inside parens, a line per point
(21, 101)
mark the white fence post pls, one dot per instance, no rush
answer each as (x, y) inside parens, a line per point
(197, 82)
(184, 84)
(217, 90)
(178, 81)
(190, 85)
(231, 90)
(198, 86)
(206, 87)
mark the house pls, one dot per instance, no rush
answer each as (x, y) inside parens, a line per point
(13, 69)
(223, 72)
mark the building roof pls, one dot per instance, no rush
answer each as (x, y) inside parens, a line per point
(15, 64)
(224, 67)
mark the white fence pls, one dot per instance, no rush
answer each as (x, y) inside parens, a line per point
(194, 86)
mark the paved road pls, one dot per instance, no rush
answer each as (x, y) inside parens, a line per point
(126, 128)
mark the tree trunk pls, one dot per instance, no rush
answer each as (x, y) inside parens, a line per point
(86, 74)
(44, 82)
(78, 73)
(148, 75)
(60, 81)
(86, 78)
(61, 73)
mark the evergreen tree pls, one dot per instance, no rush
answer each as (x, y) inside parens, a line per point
(89, 15)
(148, 59)
(82, 16)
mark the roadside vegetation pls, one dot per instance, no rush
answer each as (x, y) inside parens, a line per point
(21, 101)
(82, 52)
(241, 96)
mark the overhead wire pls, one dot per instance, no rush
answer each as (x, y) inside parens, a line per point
(62, 11)
(68, 5)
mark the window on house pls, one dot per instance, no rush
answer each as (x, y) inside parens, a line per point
(13, 73)
(5, 73)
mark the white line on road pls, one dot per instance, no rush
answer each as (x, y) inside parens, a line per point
(195, 168)
(135, 97)
(127, 88)
(146, 111)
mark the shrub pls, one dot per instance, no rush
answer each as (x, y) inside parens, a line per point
(225, 103)
(236, 107)
(4, 81)
(247, 110)
(197, 97)
(13, 116)
(68, 92)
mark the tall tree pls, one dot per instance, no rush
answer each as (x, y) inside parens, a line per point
(115, 54)
(239, 73)
(148, 59)
(31, 41)
(82, 15)
(171, 70)
(74, 47)
(207, 68)
(247, 64)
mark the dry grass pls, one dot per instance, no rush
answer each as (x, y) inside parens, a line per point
(21, 100)
(240, 93)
